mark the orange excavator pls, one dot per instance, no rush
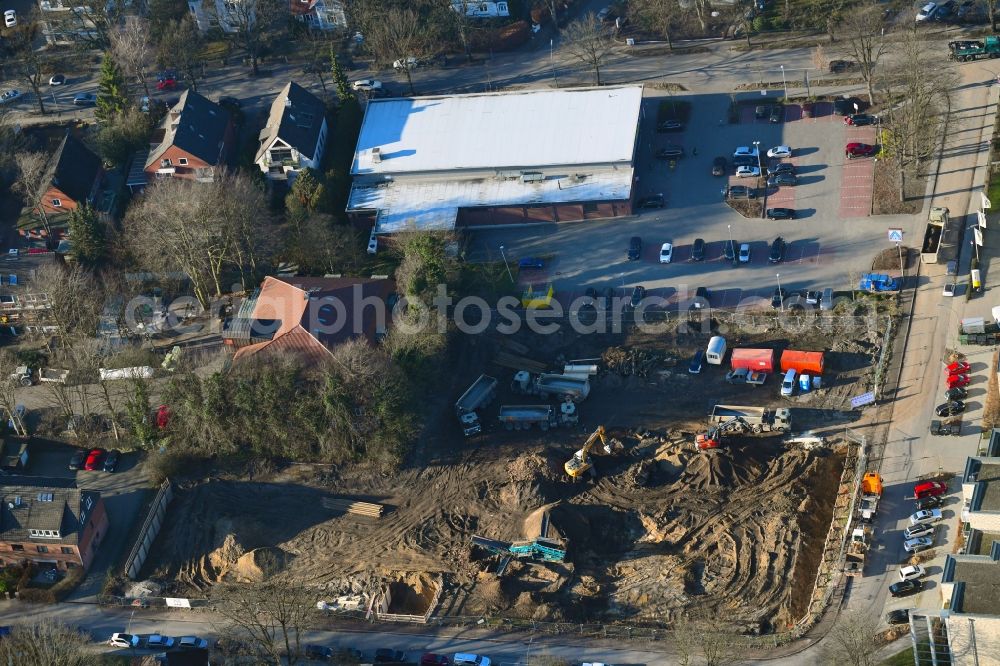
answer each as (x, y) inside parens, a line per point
(713, 438)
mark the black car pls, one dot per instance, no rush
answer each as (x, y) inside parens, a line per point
(782, 179)
(744, 160)
(701, 297)
(778, 297)
(951, 408)
(76, 462)
(319, 652)
(781, 167)
(860, 119)
(111, 460)
(777, 113)
(840, 66)
(780, 213)
(385, 655)
(634, 248)
(85, 99)
(695, 367)
(729, 250)
(777, 253)
(741, 192)
(762, 111)
(719, 166)
(905, 588)
(846, 106)
(930, 503)
(898, 616)
(652, 201)
(670, 126)
(670, 153)
(638, 294)
(957, 393)
(698, 250)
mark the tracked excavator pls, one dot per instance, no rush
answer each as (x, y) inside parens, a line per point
(713, 438)
(580, 463)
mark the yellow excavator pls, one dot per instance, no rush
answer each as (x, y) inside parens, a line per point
(580, 463)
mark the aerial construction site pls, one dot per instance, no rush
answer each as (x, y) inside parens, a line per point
(630, 489)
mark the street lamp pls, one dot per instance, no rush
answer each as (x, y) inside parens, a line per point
(760, 164)
(781, 294)
(551, 61)
(784, 84)
(509, 274)
(732, 245)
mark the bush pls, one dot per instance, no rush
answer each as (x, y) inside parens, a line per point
(69, 583)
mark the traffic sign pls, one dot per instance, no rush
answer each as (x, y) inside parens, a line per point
(895, 235)
(863, 399)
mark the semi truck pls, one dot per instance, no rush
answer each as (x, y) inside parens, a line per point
(751, 419)
(522, 417)
(480, 394)
(560, 386)
(936, 222)
(966, 51)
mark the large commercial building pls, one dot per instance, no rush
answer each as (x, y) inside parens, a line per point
(496, 158)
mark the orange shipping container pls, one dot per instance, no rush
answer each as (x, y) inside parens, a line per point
(802, 361)
(760, 360)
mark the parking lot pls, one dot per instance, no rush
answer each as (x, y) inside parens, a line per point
(831, 238)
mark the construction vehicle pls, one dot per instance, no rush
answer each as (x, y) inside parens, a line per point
(545, 385)
(540, 549)
(53, 375)
(857, 550)
(737, 420)
(481, 393)
(932, 235)
(580, 463)
(522, 417)
(23, 376)
(966, 51)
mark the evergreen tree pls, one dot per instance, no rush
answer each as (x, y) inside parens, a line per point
(306, 195)
(112, 93)
(87, 233)
(340, 82)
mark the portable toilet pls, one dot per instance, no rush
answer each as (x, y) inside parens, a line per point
(716, 350)
(805, 383)
(817, 382)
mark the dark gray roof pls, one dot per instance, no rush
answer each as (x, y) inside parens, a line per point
(296, 118)
(38, 503)
(197, 126)
(986, 496)
(73, 169)
(980, 576)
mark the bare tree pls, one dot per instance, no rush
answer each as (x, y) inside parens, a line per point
(131, 45)
(8, 391)
(852, 641)
(75, 300)
(864, 40)
(661, 16)
(699, 638)
(587, 40)
(456, 14)
(553, 7)
(31, 171)
(271, 614)
(254, 24)
(180, 46)
(44, 642)
(393, 35)
(33, 66)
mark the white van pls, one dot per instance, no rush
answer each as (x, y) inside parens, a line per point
(464, 659)
(788, 383)
(716, 351)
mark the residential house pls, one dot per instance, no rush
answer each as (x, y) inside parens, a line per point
(295, 135)
(193, 141)
(308, 316)
(481, 8)
(66, 21)
(981, 498)
(73, 177)
(225, 15)
(50, 521)
(319, 14)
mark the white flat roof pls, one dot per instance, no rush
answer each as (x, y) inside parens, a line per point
(509, 130)
(408, 204)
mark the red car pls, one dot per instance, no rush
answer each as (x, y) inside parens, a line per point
(958, 368)
(929, 489)
(957, 380)
(166, 82)
(94, 460)
(859, 150)
(431, 659)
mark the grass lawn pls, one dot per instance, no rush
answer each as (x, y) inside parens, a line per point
(993, 192)
(902, 658)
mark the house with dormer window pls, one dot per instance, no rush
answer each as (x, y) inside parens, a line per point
(193, 141)
(295, 135)
(73, 177)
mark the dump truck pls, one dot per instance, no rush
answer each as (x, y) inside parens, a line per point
(522, 417)
(751, 419)
(546, 385)
(480, 394)
(761, 360)
(930, 250)
(871, 493)
(966, 51)
(15, 455)
(802, 361)
(857, 550)
(877, 282)
(53, 375)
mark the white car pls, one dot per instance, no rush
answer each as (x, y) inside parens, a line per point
(914, 531)
(192, 642)
(124, 641)
(367, 85)
(927, 11)
(666, 253)
(748, 172)
(949, 289)
(10, 18)
(745, 151)
(780, 151)
(925, 516)
(911, 572)
(408, 63)
(918, 544)
(745, 253)
(9, 96)
(159, 641)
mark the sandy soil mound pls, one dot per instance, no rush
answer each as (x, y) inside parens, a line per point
(258, 564)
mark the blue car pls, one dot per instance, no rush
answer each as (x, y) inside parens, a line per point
(529, 263)
(695, 367)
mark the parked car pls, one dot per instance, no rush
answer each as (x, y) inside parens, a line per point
(159, 641)
(696, 361)
(195, 642)
(762, 111)
(57, 79)
(812, 297)
(911, 572)
(745, 253)
(745, 160)
(638, 293)
(957, 380)
(94, 459)
(778, 297)
(729, 250)
(777, 114)
(670, 153)
(741, 192)
(780, 151)
(853, 150)
(782, 179)
(959, 368)
(898, 616)
(367, 85)
(670, 126)
(745, 151)
(930, 502)
(698, 250)
(666, 253)
(780, 167)
(777, 253)
(79, 456)
(780, 213)
(844, 106)
(905, 588)
(406, 63)
(840, 66)
(957, 393)
(953, 408)
(319, 652)
(634, 248)
(166, 81)
(385, 655)
(111, 460)
(701, 298)
(9, 96)
(719, 166)
(652, 201)
(85, 99)
(925, 516)
(10, 18)
(431, 659)
(929, 489)
(859, 119)
(530, 263)
(124, 640)
(748, 172)
(949, 289)
(914, 531)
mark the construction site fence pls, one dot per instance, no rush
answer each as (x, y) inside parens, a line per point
(150, 528)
